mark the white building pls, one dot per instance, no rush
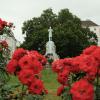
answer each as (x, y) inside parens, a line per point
(93, 27)
(10, 39)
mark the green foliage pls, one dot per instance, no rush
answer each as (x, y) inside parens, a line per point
(70, 38)
(66, 95)
(3, 61)
(4, 77)
(34, 97)
(7, 91)
(6, 31)
(50, 60)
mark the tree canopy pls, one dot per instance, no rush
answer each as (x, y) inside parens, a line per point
(69, 36)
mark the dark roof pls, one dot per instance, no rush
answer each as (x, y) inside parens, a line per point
(88, 23)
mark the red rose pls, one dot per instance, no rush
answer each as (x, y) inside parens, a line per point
(42, 59)
(63, 77)
(38, 56)
(26, 76)
(60, 90)
(4, 44)
(82, 90)
(37, 66)
(26, 62)
(1, 49)
(96, 55)
(12, 66)
(1, 27)
(57, 66)
(72, 64)
(88, 65)
(45, 91)
(90, 77)
(67, 62)
(36, 87)
(2, 24)
(19, 53)
(90, 50)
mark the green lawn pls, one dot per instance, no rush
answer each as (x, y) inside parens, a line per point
(51, 84)
(49, 79)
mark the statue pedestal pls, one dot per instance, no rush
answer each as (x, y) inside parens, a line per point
(51, 50)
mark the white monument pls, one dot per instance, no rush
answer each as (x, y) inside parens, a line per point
(50, 47)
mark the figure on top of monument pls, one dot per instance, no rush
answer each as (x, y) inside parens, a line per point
(50, 34)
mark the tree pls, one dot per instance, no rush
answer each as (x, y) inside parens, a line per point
(69, 37)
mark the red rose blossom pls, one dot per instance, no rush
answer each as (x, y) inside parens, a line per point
(38, 56)
(72, 64)
(29, 62)
(60, 90)
(37, 66)
(88, 65)
(82, 90)
(63, 77)
(4, 44)
(19, 53)
(2, 24)
(45, 91)
(96, 55)
(36, 87)
(26, 76)
(12, 66)
(57, 66)
(26, 62)
(90, 50)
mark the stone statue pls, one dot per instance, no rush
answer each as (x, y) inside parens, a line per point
(50, 47)
(50, 34)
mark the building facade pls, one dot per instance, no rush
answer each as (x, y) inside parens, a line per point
(93, 27)
(10, 39)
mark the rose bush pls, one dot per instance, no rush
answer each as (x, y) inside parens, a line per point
(27, 66)
(5, 28)
(79, 75)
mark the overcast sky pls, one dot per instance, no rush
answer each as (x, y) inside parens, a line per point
(18, 11)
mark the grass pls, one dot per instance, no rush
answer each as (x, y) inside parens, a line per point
(49, 79)
(51, 84)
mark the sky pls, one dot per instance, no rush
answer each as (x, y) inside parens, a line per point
(18, 11)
